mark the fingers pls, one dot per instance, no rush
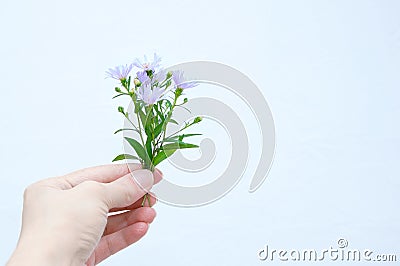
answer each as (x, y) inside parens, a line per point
(152, 197)
(111, 244)
(107, 173)
(127, 189)
(102, 174)
(120, 221)
(157, 178)
(158, 175)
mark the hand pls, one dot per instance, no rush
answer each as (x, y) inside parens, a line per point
(66, 219)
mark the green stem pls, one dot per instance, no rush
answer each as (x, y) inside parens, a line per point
(166, 123)
(165, 82)
(146, 197)
(140, 130)
(148, 200)
(127, 117)
(185, 127)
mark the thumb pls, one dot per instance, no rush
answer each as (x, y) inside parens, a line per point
(128, 189)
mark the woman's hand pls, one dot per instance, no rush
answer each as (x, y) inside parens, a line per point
(66, 219)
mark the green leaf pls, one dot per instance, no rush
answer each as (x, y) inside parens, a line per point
(173, 121)
(161, 115)
(148, 131)
(125, 156)
(178, 145)
(122, 129)
(179, 137)
(140, 151)
(148, 148)
(162, 155)
(191, 135)
(158, 130)
(129, 82)
(118, 95)
(168, 103)
(169, 140)
(143, 117)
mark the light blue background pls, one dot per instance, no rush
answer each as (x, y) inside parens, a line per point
(330, 71)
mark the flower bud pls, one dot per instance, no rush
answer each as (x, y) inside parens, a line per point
(169, 74)
(197, 120)
(178, 92)
(117, 89)
(137, 82)
(121, 109)
(185, 100)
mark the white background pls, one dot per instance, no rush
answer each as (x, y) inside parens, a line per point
(330, 71)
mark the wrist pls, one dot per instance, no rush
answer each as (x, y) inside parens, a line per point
(35, 254)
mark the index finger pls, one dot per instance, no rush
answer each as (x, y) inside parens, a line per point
(102, 174)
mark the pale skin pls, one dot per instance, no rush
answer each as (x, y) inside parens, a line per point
(69, 220)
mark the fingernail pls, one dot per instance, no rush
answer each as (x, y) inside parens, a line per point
(144, 178)
(159, 172)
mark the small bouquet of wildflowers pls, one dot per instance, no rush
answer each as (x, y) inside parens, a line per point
(155, 94)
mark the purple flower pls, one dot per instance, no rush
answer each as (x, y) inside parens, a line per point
(180, 82)
(149, 95)
(160, 76)
(142, 77)
(119, 72)
(146, 64)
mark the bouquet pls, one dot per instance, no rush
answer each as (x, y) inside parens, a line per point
(155, 94)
